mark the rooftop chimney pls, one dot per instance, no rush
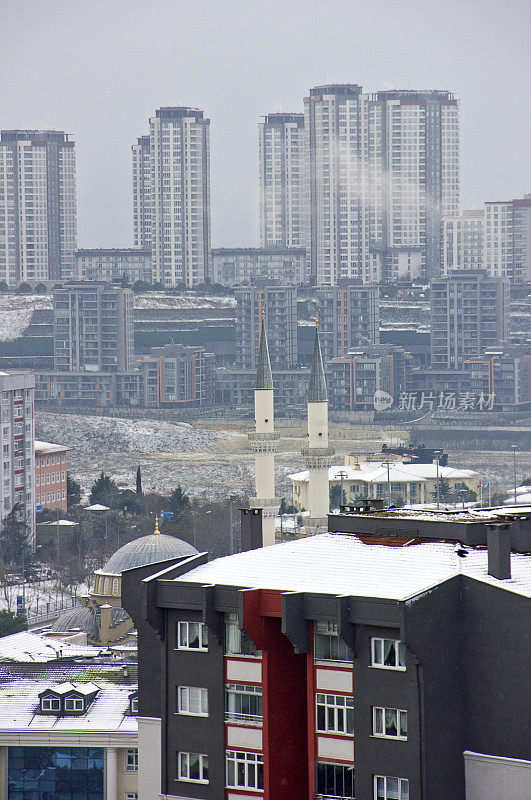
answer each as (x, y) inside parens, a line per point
(499, 551)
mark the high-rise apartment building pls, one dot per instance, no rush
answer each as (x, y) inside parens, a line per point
(171, 195)
(17, 445)
(282, 165)
(176, 375)
(469, 313)
(463, 237)
(38, 234)
(507, 249)
(278, 306)
(239, 265)
(349, 317)
(383, 169)
(93, 328)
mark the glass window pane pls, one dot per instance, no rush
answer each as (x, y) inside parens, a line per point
(392, 789)
(260, 776)
(241, 773)
(377, 651)
(403, 723)
(391, 722)
(380, 788)
(194, 766)
(401, 654)
(404, 790)
(183, 766)
(389, 653)
(193, 634)
(378, 720)
(205, 768)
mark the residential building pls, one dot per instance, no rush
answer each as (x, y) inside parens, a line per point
(38, 229)
(235, 387)
(50, 475)
(357, 663)
(113, 264)
(282, 176)
(176, 375)
(463, 238)
(245, 265)
(469, 313)
(349, 317)
(142, 193)
(357, 376)
(17, 445)
(69, 729)
(383, 169)
(507, 250)
(93, 328)
(277, 304)
(171, 195)
(88, 388)
(405, 482)
(505, 374)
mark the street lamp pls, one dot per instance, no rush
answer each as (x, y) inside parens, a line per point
(437, 457)
(514, 449)
(342, 475)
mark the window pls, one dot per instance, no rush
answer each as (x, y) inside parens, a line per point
(191, 636)
(131, 796)
(243, 702)
(335, 713)
(389, 722)
(50, 704)
(192, 700)
(74, 704)
(192, 767)
(390, 788)
(238, 641)
(335, 780)
(245, 770)
(327, 644)
(131, 760)
(134, 705)
(388, 654)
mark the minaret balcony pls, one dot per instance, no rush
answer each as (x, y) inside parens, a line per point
(263, 442)
(318, 457)
(269, 505)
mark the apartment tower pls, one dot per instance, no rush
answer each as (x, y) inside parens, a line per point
(38, 234)
(171, 195)
(463, 238)
(282, 160)
(278, 306)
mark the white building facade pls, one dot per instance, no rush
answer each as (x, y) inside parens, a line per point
(282, 160)
(17, 445)
(171, 195)
(38, 228)
(463, 238)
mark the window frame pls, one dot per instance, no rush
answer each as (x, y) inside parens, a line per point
(249, 758)
(186, 690)
(184, 626)
(400, 651)
(245, 641)
(75, 701)
(131, 759)
(240, 690)
(336, 766)
(335, 706)
(331, 633)
(203, 766)
(386, 778)
(50, 700)
(384, 709)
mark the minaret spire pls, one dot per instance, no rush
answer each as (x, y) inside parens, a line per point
(318, 453)
(263, 441)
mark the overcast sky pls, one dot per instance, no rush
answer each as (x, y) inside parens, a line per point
(98, 69)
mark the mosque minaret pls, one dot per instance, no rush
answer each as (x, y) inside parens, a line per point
(263, 441)
(318, 454)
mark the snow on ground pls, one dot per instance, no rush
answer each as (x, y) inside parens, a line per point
(154, 300)
(16, 311)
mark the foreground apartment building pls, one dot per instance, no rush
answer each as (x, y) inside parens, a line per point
(385, 659)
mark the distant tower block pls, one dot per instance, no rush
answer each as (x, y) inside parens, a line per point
(263, 441)
(318, 454)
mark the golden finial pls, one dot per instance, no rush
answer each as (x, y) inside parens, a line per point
(263, 311)
(317, 320)
(156, 525)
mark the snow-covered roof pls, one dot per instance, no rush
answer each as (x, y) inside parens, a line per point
(340, 563)
(376, 472)
(68, 686)
(49, 447)
(27, 646)
(522, 499)
(21, 685)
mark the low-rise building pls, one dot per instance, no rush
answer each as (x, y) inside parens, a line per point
(50, 475)
(235, 266)
(87, 388)
(177, 375)
(111, 264)
(357, 376)
(409, 483)
(236, 386)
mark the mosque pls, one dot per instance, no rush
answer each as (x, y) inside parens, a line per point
(101, 615)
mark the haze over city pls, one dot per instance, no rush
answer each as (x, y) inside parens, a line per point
(99, 70)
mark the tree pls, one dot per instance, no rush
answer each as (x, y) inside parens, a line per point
(11, 623)
(104, 491)
(178, 503)
(139, 482)
(464, 494)
(73, 492)
(444, 490)
(337, 498)
(129, 502)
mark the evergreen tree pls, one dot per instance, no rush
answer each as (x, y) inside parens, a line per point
(11, 623)
(73, 491)
(178, 503)
(138, 481)
(104, 491)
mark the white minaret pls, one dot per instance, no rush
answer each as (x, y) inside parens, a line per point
(318, 453)
(263, 442)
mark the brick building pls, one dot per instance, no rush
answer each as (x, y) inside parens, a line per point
(50, 475)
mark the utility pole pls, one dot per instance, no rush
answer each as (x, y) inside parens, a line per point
(342, 498)
(437, 456)
(388, 485)
(231, 524)
(514, 448)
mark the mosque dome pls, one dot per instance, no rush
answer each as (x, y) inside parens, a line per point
(147, 550)
(83, 618)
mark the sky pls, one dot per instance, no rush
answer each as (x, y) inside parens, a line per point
(98, 69)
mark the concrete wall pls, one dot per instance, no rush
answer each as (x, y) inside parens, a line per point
(493, 778)
(149, 757)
